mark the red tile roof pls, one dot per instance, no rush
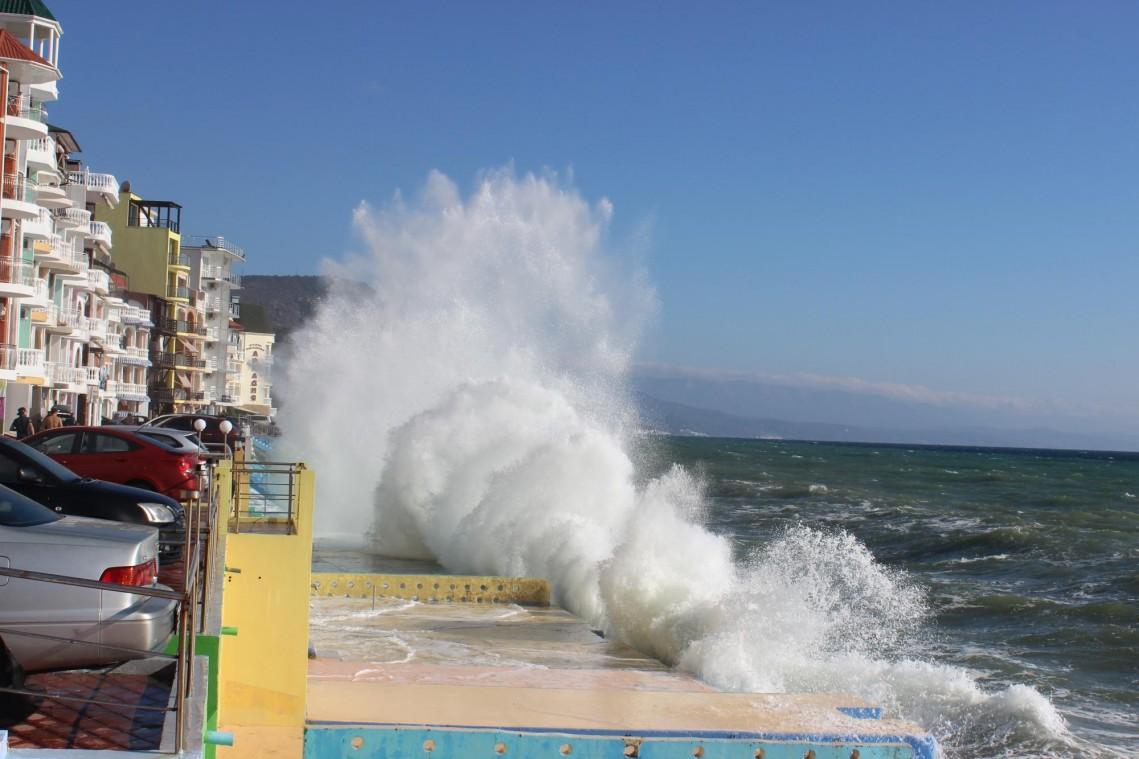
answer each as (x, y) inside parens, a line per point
(12, 49)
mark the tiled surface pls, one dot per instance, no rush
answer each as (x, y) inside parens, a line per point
(53, 723)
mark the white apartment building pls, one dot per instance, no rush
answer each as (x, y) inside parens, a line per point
(255, 379)
(214, 261)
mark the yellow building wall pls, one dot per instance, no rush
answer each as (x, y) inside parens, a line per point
(141, 252)
(263, 669)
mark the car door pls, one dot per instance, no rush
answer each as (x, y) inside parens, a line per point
(43, 488)
(104, 456)
(59, 445)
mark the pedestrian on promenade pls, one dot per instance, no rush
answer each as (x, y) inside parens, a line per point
(52, 420)
(22, 425)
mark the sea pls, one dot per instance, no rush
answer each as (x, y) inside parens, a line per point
(1027, 560)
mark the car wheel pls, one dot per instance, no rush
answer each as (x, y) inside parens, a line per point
(143, 484)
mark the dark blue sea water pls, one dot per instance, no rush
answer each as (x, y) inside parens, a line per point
(1028, 562)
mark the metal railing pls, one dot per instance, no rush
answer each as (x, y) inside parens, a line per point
(265, 497)
(199, 547)
(218, 242)
(177, 291)
(178, 259)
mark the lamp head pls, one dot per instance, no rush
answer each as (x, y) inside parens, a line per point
(199, 424)
(225, 426)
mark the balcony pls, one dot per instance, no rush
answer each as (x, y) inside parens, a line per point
(40, 227)
(129, 391)
(180, 361)
(170, 395)
(72, 218)
(41, 154)
(30, 362)
(135, 356)
(99, 232)
(100, 282)
(136, 315)
(211, 364)
(26, 119)
(177, 292)
(98, 329)
(16, 278)
(181, 327)
(216, 242)
(48, 192)
(75, 319)
(8, 354)
(179, 260)
(41, 294)
(103, 184)
(72, 379)
(211, 334)
(232, 367)
(19, 197)
(110, 389)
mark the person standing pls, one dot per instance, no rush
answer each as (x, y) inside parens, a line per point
(52, 420)
(22, 425)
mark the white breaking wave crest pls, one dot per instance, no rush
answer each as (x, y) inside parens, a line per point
(469, 406)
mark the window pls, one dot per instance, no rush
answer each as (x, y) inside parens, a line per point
(168, 440)
(102, 443)
(9, 469)
(56, 444)
(18, 511)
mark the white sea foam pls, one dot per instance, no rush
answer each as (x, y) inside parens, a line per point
(475, 396)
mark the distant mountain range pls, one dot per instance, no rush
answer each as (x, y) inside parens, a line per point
(687, 403)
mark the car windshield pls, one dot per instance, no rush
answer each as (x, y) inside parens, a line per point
(19, 511)
(50, 465)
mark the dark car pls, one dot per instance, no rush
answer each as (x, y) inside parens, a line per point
(212, 437)
(31, 473)
(128, 457)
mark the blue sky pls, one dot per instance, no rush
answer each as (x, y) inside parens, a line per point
(937, 195)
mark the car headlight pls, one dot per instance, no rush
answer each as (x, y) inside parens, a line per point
(157, 513)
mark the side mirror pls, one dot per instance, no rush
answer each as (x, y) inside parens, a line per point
(27, 474)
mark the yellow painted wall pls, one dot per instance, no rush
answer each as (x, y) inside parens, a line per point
(262, 677)
(142, 252)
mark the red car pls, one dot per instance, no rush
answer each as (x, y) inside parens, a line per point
(106, 453)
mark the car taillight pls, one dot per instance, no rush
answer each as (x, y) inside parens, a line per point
(139, 574)
(187, 463)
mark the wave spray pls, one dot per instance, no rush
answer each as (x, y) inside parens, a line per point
(468, 405)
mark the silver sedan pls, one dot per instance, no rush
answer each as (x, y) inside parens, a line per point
(40, 621)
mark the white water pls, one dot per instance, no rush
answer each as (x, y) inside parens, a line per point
(470, 407)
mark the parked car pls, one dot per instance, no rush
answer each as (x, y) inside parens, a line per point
(46, 481)
(130, 420)
(35, 538)
(119, 455)
(179, 440)
(212, 437)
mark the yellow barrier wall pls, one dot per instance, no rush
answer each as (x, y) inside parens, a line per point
(262, 676)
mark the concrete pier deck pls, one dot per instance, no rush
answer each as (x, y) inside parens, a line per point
(394, 676)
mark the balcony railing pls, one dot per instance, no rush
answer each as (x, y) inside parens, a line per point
(44, 150)
(40, 226)
(132, 391)
(218, 242)
(178, 259)
(170, 395)
(71, 375)
(16, 272)
(19, 187)
(94, 375)
(181, 326)
(100, 232)
(23, 107)
(31, 361)
(211, 334)
(133, 354)
(72, 217)
(105, 183)
(100, 280)
(171, 360)
(175, 291)
(232, 366)
(8, 356)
